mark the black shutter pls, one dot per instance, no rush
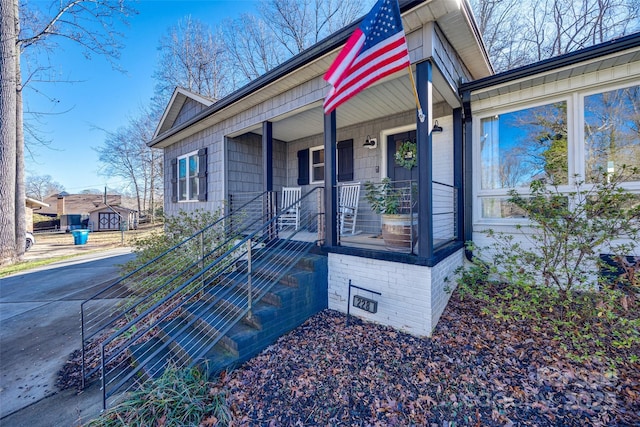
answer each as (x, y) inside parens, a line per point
(174, 180)
(202, 174)
(303, 167)
(345, 160)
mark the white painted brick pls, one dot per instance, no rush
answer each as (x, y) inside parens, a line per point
(412, 299)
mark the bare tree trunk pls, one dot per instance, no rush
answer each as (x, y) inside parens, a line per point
(8, 140)
(21, 216)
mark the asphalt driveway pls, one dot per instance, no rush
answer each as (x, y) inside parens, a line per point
(39, 328)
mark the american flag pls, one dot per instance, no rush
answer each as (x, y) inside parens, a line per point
(376, 49)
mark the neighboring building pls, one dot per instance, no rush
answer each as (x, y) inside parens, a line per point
(113, 218)
(273, 134)
(77, 211)
(31, 206)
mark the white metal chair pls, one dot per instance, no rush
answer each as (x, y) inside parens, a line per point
(348, 196)
(290, 207)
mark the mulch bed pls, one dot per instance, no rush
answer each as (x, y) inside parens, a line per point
(474, 370)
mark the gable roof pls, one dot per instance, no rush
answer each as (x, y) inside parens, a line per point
(177, 101)
(454, 18)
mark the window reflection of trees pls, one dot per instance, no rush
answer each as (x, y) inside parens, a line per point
(612, 132)
(524, 145)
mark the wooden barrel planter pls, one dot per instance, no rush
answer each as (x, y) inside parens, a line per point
(400, 231)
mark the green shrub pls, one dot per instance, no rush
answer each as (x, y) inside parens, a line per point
(551, 272)
(184, 262)
(568, 232)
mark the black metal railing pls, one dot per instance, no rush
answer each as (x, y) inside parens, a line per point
(131, 294)
(222, 293)
(396, 230)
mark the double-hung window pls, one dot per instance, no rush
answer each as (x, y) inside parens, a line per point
(188, 177)
(317, 165)
(315, 158)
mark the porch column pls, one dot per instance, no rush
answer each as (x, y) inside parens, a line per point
(458, 171)
(270, 202)
(330, 191)
(267, 155)
(425, 148)
(467, 141)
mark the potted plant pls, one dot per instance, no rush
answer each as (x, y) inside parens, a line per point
(399, 222)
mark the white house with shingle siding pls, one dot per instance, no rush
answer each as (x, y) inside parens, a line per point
(273, 134)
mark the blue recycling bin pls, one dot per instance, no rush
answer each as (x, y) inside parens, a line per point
(80, 236)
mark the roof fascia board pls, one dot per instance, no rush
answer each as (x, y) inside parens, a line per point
(473, 25)
(37, 202)
(168, 108)
(563, 61)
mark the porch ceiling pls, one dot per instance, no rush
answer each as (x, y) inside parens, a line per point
(390, 97)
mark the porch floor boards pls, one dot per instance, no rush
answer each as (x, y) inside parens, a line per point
(360, 240)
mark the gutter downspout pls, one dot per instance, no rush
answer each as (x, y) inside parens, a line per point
(467, 143)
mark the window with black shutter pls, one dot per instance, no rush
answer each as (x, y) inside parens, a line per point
(189, 177)
(311, 163)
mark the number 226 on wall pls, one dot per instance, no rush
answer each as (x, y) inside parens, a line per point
(365, 304)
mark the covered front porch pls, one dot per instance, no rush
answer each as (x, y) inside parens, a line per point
(352, 154)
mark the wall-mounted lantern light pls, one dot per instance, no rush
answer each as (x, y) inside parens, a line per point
(370, 143)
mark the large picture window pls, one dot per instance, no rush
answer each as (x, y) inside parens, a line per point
(188, 177)
(612, 133)
(520, 146)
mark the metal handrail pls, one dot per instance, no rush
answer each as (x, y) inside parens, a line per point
(140, 270)
(221, 266)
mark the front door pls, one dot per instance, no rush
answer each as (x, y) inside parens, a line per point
(396, 172)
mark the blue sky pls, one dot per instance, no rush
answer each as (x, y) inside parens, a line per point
(103, 98)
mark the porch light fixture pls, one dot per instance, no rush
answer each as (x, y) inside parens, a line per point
(370, 143)
(436, 127)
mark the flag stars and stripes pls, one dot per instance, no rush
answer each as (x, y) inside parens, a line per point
(375, 50)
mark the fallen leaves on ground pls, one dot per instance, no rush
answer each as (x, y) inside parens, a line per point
(474, 370)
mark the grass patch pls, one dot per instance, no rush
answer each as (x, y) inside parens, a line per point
(28, 265)
(58, 245)
(177, 398)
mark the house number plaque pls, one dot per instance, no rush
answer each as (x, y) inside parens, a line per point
(365, 304)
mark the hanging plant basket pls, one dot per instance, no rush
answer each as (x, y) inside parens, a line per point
(407, 155)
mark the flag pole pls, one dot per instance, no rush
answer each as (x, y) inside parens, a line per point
(421, 115)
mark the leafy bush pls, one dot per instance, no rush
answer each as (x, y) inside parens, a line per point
(176, 229)
(176, 267)
(177, 398)
(551, 272)
(568, 232)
